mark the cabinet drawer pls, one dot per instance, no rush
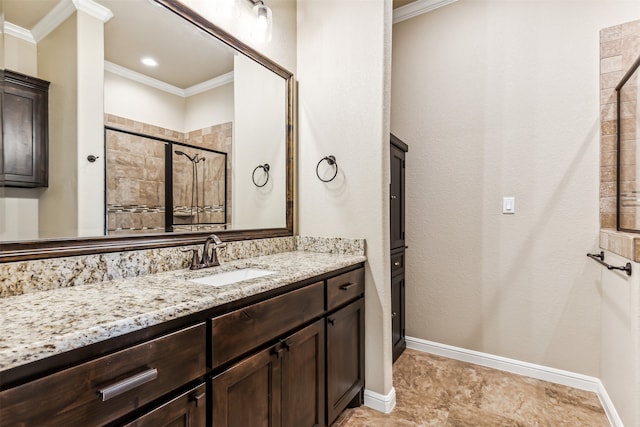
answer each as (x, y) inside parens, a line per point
(107, 388)
(397, 263)
(344, 288)
(242, 330)
(187, 410)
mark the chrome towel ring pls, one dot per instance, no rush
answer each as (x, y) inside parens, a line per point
(331, 160)
(265, 168)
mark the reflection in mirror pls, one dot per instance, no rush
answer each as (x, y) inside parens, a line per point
(141, 199)
(628, 184)
(201, 97)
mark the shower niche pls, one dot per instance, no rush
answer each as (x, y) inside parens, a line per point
(628, 155)
(173, 183)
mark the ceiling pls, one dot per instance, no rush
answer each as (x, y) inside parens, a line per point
(139, 28)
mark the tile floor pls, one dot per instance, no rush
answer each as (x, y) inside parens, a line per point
(436, 391)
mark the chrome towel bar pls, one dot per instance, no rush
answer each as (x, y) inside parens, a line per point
(600, 258)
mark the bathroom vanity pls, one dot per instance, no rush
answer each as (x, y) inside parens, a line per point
(284, 349)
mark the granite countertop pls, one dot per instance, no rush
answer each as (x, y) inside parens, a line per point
(43, 324)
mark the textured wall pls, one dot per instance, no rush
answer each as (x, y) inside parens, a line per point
(343, 107)
(501, 99)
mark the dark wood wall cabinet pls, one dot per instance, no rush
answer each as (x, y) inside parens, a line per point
(291, 358)
(24, 122)
(398, 245)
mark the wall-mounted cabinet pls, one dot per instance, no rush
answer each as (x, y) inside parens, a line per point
(24, 122)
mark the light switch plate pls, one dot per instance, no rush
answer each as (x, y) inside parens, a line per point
(508, 205)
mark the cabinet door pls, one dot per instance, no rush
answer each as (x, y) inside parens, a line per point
(397, 316)
(303, 377)
(187, 410)
(396, 204)
(345, 357)
(25, 129)
(248, 393)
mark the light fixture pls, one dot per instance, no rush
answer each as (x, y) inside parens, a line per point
(263, 22)
(149, 62)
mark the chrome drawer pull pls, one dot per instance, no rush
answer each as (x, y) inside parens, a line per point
(346, 286)
(127, 384)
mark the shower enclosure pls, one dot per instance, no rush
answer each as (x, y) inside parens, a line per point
(161, 185)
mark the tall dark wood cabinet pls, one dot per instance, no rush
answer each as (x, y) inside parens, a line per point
(24, 136)
(398, 246)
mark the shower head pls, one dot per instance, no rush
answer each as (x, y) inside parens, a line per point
(182, 153)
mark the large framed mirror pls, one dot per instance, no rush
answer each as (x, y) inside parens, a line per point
(145, 155)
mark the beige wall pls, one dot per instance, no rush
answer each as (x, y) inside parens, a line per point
(620, 347)
(343, 111)
(500, 99)
(19, 218)
(90, 122)
(126, 98)
(19, 205)
(209, 108)
(20, 55)
(259, 133)
(57, 63)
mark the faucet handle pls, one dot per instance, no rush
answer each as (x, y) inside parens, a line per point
(194, 258)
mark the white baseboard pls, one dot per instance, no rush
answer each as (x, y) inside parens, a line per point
(380, 402)
(545, 373)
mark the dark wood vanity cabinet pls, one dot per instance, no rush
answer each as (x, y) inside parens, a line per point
(24, 123)
(189, 409)
(302, 378)
(290, 359)
(398, 152)
(345, 358)
(282, 385)
(103, 390)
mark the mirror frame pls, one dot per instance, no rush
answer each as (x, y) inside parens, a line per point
(55, 248)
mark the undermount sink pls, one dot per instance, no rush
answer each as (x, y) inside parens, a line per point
(229, 277)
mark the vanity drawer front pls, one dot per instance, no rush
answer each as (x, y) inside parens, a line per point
(107, 388)
(240, 331)
(344, 288)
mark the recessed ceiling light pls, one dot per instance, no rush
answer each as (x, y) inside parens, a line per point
(150, 62)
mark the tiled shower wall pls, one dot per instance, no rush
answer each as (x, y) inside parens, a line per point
(139, 166)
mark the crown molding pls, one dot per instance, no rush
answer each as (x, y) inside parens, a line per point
(18, 32)
(418, 7)
(209, 84)
(141, 78)
(166, 87)
(94, 9)
(64, 10)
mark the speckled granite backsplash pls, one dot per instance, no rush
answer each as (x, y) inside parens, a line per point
(18, 278)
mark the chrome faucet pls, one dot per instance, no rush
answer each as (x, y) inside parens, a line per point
(209, 255)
